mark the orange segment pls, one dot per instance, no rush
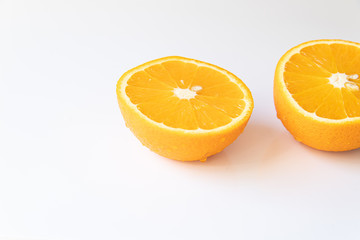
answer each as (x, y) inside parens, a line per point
(346, 58)
(232, 107)
(222, 90)
(208, 77)
(182, 108)
(160, 73)
(317, 94)
(141, 95)
(312, 98)
(208, 116)
(322, 55)
(332, 106)
(300, 64)
(173, 113)
(351, 103)
(144, 80)
(183, 73)
(297, 83)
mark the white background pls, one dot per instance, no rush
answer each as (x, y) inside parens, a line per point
(70, 169)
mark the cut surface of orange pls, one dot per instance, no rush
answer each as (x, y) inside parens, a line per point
(317, 94)
(182, 108)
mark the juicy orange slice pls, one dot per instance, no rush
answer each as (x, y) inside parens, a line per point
(182, 108)
(317, 94)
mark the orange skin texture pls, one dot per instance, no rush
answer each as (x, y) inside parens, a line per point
(327, 136)
(179, 144)
(174, 145)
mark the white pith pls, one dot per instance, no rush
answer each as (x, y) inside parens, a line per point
(186, 93)
(241, 118)
(341, 80)
(332, 80)
(338, 80)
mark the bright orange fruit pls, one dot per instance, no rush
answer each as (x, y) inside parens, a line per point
(317, 94)
(182, 108)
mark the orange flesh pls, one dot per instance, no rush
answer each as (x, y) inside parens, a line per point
(307, 76)
(215, 104)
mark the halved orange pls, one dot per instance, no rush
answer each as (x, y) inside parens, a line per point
(182, 108)
(317, 94)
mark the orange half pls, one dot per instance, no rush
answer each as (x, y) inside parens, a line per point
(183, 108)
(317, 94)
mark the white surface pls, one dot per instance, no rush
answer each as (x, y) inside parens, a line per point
(70, 169)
